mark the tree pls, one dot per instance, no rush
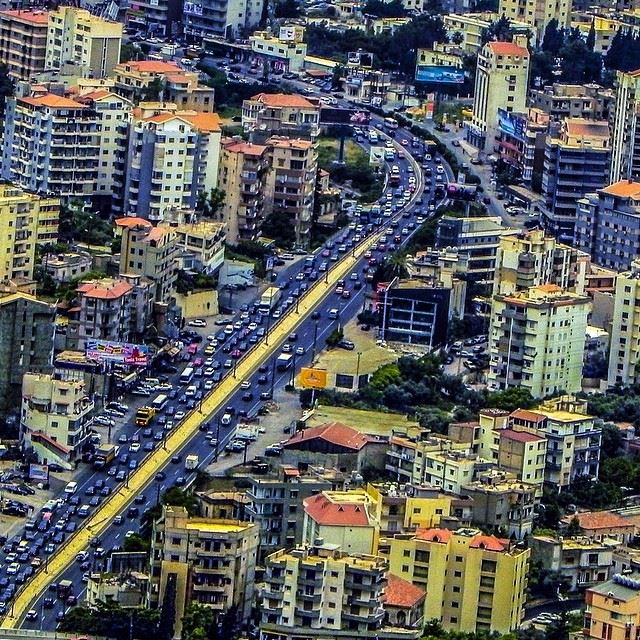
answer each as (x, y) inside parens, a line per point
(208, 204)
(129, 51)
(380, 9)
(553, 38)
(591, 37)
(573, 528)
(287, 9)
(197, 622)
(337, 77)
(281, 228)
(135, 542)
(168, 610)
(511, 399)
(457, 38)
(7, 87)
(153, 91)
(499, 30)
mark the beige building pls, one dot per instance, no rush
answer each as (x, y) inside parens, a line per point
(125, 590)
(55, 418)
(523, 454)
(23, 42)
(27, 220)
(286, 55)
(537, 13)
(537, 339)
(623, 121)
(63, 267)
(77, 37)
(281, 114)
(613, 608)
(242, 176)
(290, 184)
(501, 83)
(211, 562)
(148, 251)
(200, 245)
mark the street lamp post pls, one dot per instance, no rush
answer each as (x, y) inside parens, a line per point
(217, 448)
(315, 338)
(359, 354)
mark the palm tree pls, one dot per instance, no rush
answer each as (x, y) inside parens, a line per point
(396, 266)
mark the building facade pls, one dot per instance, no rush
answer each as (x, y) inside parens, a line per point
(23, 42)
(281, 114)
(213, 19)
(613, 608)
(625, 133)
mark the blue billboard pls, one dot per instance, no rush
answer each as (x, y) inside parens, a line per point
(513, 124)
(439, 74)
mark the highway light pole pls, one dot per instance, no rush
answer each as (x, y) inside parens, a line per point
(315, 338)
(266, 337)
(217, 449)
(359, 354)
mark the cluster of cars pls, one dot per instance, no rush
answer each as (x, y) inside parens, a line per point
(473, 350)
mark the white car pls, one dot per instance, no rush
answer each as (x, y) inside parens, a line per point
(198, 322)
(32, 614)
(246, 384)
(252, 326)
(134, 447)
(104, 421)
(13, 568)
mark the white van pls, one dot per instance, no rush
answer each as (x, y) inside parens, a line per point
(191, 391)
(71, 488)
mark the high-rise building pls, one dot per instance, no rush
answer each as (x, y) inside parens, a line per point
(625, 133)
(624, 352)
(78, 37)
(576, 159)
(23, 41)
(51, 145)
(537, 339)
(532, 258)
(560, 101)
(214, 19)
(26, 342)
(322, 592)
(210, 562)
(55, 419)
(290, 184)
(613, 608)
(537, 13)
(26, 221)
(242, 176)
(501, 83)
(608, 225)
(474, 582)
(148, 251)
(173, 156)
(155, 17)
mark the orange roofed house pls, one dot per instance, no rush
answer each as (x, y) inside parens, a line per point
(335, 445)
(281, 114)
(600, 525)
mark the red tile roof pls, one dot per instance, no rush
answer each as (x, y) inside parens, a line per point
(402, 593)
(490, 543)
(247, 148)
(322, 510)
(529, 416)
(53, 101)
(37, 17)
(590, 520)
(508, 49)
(105, 289)
(333, 432)
(623, 189)
(132, 221)
(283, 100)
(434, 535)
(152, 66)
(520, 436)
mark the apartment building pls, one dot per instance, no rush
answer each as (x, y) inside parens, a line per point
(210, 562)
(323, 592)
(576, 159)
(472, 27)
(23, 41)
(113, 116)
(26, 341)
(126, 590)
(501, 83)
(608, 225)
(276, 504)
(533, 258)
(155, 17)
(561, 101)
(625, 133)
(200, 244)
(537, 13)
(624, 352)
(213, 19)
(476, 238)
(345, 519)
(278, 53)
(282, 114)
(523, 454)
(148, 251)
(242, 175)
(51, 145)
(580, 561)
(501, 503)
(474, 582)
(573, 438)
(613, 608)
(450, 470)
(27, 220)
(77, 37)
(64, 267)
(173, 156)
(55, 416)
(290, 183)
(537, 339)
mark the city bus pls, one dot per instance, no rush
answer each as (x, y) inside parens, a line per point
(186, 376)
(160, 402)
(390, 124)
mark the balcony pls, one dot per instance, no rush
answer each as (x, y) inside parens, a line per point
(308, 613)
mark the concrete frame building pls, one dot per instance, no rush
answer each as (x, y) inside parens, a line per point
(213, 19)
(537, 13)
(613, 608)
(23, 41)
(625, 133)
(281, 114)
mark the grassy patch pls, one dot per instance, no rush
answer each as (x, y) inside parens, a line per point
(373, 422)
(228, 113)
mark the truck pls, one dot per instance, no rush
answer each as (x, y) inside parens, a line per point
(144, 416)
(191, 462)
(269, 299)
(105, 455)
(247, 432)
(284, 361)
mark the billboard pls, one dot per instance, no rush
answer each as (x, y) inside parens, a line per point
(193, 9)
(121, 352)
(459, 191)
(362, 59)
(439, 74)
(39, 472)
(376, 156)
(513, 124)
(334, 115)
(291, 33)
(313, 378)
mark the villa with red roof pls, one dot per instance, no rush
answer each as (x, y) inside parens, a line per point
(334, 444)
(280, 113)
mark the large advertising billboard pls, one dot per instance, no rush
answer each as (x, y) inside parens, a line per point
(39, 472)
(192, 8)
(513, 124)
(457, 191)
(439, 74)
(121, 352)
(362, 59)
(334, 115)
